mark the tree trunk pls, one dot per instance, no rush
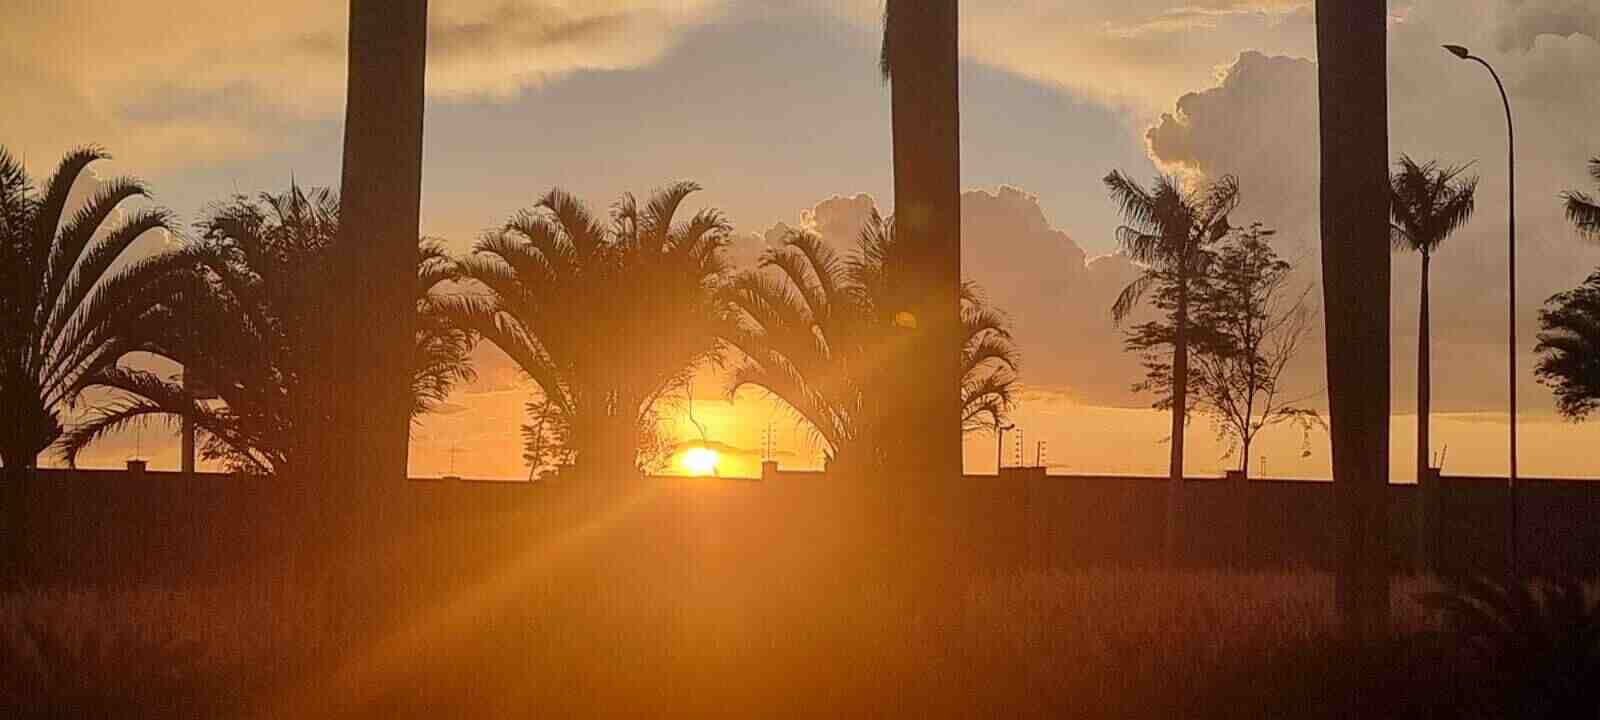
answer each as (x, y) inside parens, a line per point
(374, 262)
(1425, 485)
(1424, 379)
(925, 88)
(1180, 404)
(1353, 91)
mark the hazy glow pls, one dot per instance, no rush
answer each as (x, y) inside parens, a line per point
(700, 461)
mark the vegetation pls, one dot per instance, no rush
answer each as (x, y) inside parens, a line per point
(241, 323)
(812, 328)
(1582, 209)
(1428, 204)
(1169, 232)
(1569, 340)
(1253, 325)
(65, 282)
(1569, 343)
(607, 320)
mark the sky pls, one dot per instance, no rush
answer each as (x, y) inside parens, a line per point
(777, 109)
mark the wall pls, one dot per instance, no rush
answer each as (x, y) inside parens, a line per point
(112, 527)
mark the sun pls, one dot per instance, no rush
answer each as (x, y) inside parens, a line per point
(700, 461)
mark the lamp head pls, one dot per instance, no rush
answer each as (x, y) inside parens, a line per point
(1459, 51)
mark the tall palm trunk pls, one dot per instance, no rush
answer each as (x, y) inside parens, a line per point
(1426, 486)
(922, 60)
(375, 258)
(1353, 89)
(1424, 379)
(1180, 404)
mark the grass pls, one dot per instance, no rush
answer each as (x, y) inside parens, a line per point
(636, 643)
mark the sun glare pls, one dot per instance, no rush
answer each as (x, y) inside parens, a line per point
(700, 461)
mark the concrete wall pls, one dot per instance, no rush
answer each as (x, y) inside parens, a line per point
(115, 527)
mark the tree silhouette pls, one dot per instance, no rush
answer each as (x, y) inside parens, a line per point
(607, 320)
(1570, 345)
(1582, 209)
(1428, 203)
(809, 324)
(242, 322)
(1353, 98)
(1169, 232)
(63, 282)
(1254, 324)
(920, 60)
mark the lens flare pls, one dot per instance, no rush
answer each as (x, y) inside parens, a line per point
(700, 461)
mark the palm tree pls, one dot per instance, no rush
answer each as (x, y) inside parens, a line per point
(62, 281)
(1428, 203)
(920, 60)
(363, 343)
(808, 324)
(1353, 90)
(241, 318)
(605, 319)
(1582, 209)
(1169, 230)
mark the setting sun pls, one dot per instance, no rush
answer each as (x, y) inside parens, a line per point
(700, 461)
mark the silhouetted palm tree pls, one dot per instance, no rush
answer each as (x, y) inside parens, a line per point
(605, 319)
(1428, 204)
(921, 61)
(1535, 646)
(809, 324)
(1582, 209)
(242, 323)
(1353, 95)
(60, 297)
(1168, 232)
(362, 343)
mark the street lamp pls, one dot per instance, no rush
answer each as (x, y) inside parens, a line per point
(1511, 167)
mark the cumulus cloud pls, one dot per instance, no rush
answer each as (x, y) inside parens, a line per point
(1259, 122)
(187, 81)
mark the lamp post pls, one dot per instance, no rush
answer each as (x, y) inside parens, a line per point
(1511, 168)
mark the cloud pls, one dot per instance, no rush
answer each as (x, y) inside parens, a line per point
(1259, 122)
(188, 81)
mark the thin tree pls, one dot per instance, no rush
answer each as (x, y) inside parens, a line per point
(607, 319)
(920, 60)
(1256, 323)
(806, 324)
(1353, 93)
(1428, 203)
(236, 317)
(1169, 232)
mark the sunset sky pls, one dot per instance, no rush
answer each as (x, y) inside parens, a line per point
(779, 111)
